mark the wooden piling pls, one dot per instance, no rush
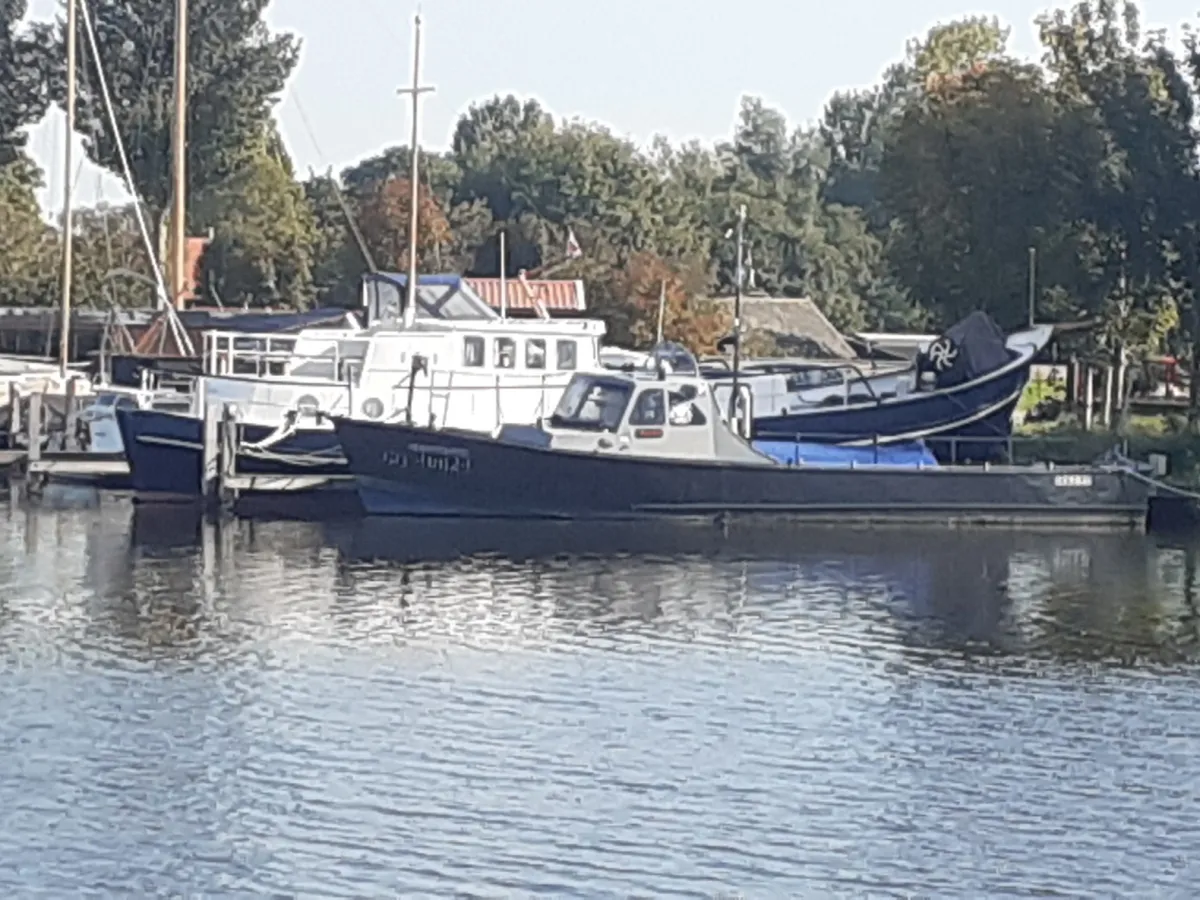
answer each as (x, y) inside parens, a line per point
(211, 472)
(1089, 396)
(229, 442)
(68, 441)
(14, 416)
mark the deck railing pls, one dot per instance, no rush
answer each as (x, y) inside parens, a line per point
(274, 356)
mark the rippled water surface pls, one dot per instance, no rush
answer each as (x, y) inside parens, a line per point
(299, 709)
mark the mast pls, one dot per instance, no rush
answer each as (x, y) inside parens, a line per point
(64, 346)
(410, 303)
(179, 194)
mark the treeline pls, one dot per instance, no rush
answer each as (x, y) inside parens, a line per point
(905, 206)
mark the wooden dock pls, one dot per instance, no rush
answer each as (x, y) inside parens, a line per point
(43, 442)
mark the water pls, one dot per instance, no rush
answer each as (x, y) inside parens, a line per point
(294, 709)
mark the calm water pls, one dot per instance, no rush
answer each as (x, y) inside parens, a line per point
(295, 709)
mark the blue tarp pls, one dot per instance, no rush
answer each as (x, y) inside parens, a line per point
(909, 455)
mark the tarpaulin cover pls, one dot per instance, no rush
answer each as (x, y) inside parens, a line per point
(909, 455)
(978, 348)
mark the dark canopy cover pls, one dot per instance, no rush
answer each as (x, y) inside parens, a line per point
(967, 350)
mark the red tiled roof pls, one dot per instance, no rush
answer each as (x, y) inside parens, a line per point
(193, 251)
(565, 295)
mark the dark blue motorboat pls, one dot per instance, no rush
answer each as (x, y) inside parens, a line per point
(959, 397)
(624, 445)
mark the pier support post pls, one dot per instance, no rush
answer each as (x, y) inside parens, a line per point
(14, 416)
(229, 445)
(33, 482)
(1108, 396)
(1089, 396)
(69, 415)
(210, 474)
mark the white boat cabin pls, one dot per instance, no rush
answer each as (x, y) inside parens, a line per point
(665, 411)
(467, 374)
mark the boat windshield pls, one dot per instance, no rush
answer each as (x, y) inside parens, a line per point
(592, 404)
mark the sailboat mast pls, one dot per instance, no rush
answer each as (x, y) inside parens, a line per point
(64, 347)
(179, 194)
(410, 304)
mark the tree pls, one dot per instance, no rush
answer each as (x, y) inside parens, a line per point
(28, 248)
(236, 72)
(264, 234)
(23, 94)
(384, 220)
(632, 303)
(984, 167)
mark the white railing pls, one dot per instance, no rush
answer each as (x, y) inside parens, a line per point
(274, 356)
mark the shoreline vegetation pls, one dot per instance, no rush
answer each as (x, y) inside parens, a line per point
(899, 207)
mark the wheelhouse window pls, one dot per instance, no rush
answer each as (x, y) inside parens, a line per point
(649, 408)
(506, 353)
(535, 353)
(592, 404)
(473, 351)
(684, 410)
(567, 354)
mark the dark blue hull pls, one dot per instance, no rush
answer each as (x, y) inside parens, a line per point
(401, 470)
(166, 454)
(970, 422)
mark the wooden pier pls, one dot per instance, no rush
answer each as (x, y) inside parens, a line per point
(43, 441)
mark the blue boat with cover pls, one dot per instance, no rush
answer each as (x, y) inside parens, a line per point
(959, 397)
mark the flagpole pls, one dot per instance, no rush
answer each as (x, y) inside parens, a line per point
(662, 305)
(737, 316)
(503, 278)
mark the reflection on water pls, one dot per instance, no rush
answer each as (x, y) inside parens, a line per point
(380, 709)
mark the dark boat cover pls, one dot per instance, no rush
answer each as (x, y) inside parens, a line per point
(971, 348)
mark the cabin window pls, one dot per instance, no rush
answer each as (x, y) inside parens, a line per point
(566, 355)
(473, 351)
(684, 410)
(649, 408)
(592, 404)
(506, 353)
(535, 353)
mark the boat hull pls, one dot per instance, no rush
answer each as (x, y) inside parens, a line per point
(400, 470)
(166, 454)
(971, 422)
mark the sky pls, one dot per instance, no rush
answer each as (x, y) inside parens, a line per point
(642, 67)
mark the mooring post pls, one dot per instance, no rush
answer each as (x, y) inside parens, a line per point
(14, 416)
(210, 476)
(69, 414)
(35, 428)
(229, 450)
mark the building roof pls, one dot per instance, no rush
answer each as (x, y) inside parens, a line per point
(796, 323)
(553, 294)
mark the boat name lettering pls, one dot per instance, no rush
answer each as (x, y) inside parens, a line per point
(1073, 480)
(451, 460)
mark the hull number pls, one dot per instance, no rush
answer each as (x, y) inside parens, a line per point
(449, 460)
(1074, 480)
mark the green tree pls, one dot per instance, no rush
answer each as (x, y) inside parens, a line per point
(236, 71)
(28, 248)
(23, 95)
(264, 234)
